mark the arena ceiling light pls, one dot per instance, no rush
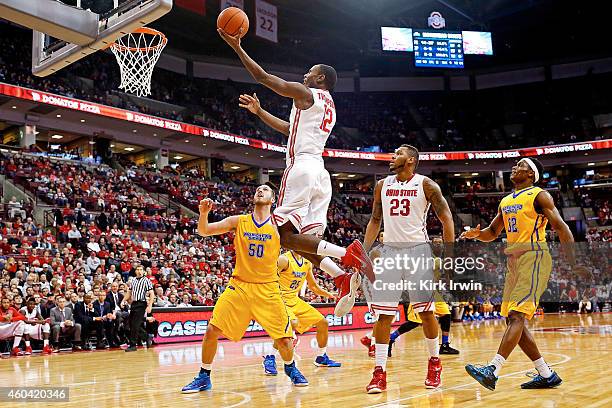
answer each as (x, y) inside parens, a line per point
(82, 120)
(474, 174)
(235, 167)
(590, 164)
(186, 140)
(352, 175)
(112, 146)
(178, 157)
(14, 107)
(270, 171)
(128, 149)
(91, 142)
(58, 116)
(57, 137)
(335, 175)
(457, 174)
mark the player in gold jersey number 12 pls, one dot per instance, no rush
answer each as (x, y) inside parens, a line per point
(524, 214)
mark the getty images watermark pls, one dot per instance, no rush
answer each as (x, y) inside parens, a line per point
(407, 271)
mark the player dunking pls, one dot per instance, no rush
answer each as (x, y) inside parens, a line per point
(253, 292)
(523, 214)
(403, 200)
(305, 192)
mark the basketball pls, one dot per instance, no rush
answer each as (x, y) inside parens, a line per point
(232, 19)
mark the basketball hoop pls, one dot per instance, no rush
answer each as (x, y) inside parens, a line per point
(137, 53)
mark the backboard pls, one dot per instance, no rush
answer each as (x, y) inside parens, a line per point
(64, 32)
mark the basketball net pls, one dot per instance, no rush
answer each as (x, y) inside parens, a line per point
(137, 53)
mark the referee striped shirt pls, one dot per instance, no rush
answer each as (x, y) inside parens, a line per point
(140, 287)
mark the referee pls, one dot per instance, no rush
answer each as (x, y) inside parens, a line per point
(140, 295)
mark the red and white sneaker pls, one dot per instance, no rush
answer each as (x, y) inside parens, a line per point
(379, 381)
(47, 349)
(28, 351)
(366, 341)
(16, 351)
(434, 373)
(347, 285)
(357, 257)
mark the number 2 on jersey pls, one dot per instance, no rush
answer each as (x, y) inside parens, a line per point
(328, 118)
(395, 207)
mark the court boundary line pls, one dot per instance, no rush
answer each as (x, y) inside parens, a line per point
(565, 359)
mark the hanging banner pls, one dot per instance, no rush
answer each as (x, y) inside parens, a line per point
(267, 23)
(231, 3)
(197, 6)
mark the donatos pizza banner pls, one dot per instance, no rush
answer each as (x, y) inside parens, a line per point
(181, 325)
(121, 114)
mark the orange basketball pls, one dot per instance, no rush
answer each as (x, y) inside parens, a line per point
(232, 19)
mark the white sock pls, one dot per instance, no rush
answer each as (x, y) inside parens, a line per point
(328, 249)
(288, 362)
(381, 355)
(206, 366)
(27, 342)
(498, 361)
(542, 367)
(328, 266)
(45, 342)
(369, 335)
(16, 341)
(433, 347)
(322, 350)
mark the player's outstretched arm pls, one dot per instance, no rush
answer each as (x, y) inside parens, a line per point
(373, 227)
(252, 104)
(440, 206)
(488, 234)
(206, 229)
(314, 286)
(294, 90)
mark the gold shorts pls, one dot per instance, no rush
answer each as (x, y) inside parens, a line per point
(306, 315)
(242, 302)
(441, 309)
(526, 280)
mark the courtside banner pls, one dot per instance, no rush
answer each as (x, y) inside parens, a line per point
(135, 117)
(178, 325)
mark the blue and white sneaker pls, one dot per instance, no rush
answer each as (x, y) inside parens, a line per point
(325, 361)
(269, 365)
(540, 382)
(296, 377)
(200, 383)
(485, 375)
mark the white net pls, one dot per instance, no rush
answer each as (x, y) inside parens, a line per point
(137, 53)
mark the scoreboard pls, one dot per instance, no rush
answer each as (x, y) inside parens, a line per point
(438, 49)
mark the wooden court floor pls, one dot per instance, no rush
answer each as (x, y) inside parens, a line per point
(578, 347)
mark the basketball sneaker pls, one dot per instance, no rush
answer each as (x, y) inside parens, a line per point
(16, 351)
(47, 349)
(379, 381)
(485, 375)
(366, 341)
(296, 377)
(269, 365)
(434, 373)
(28, 351)
(200, 383)
(325, 361)
(356, 257)
(445, 348)
(540, 382)
(347, 285)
